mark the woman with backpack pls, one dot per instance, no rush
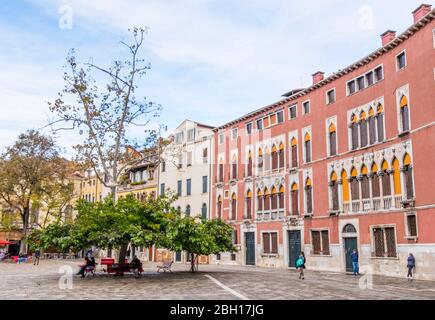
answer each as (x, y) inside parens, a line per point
(300, 265)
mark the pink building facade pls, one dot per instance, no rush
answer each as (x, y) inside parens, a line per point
(344, 164)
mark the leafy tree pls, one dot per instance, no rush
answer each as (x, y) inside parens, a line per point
(109, 224)
(198, 237)
(27, 168)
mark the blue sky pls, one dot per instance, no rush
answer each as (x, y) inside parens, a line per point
(212, 60)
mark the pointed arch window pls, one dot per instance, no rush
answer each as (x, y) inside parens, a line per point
(281, 155)
(274, 198)
(233, 206)
(407, 171)
(234, 167)
(404, 113)
(354, 131)
(363, 129)
(386, 182)
(266, 200)
(219, 207)
(334, 191)
(396, 177)
(307, 143)
(259, 200)
(345, 186)
(375, 182)
(354, 187)
(372, 126)
(250, 164)
(332, 140)
(267, 158)
(294, 199)
(249, 204)
(281, 198)
(294, 151)
(365, 184)
(309, 196)
(260, 163)
(221, 170)
(380, 122)
(274, 158)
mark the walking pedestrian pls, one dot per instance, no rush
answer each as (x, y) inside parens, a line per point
(300, 265)
(355, 262)
(37, 256)
(410, 266)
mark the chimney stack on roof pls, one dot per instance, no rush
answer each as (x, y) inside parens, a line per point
(421, 11)
(317, 77)
(388, 36)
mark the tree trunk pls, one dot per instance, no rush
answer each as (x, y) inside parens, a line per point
(193, 263)
(122, 253)
(23, 243)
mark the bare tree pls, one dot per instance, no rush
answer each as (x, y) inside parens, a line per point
(105, 110)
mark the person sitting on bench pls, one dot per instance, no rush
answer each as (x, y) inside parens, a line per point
(89, 263)
(135, 265)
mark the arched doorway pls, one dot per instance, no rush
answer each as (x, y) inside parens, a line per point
(350, 242)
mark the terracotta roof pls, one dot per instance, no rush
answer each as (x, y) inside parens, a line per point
(362, 62)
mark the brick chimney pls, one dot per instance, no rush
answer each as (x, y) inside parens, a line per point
(388, 36)
(421, 11)
(317, 77)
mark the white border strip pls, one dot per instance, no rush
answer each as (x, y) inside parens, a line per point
(233, 292)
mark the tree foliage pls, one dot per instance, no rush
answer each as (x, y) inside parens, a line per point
(29, 170)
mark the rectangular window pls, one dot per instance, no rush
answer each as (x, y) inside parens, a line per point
(234, 133)
(266, 122)
(205, 156)
(179, 137)
(280, 116)
(292, 112)
(330, 96)
(249, 128)
(411, 220)
(306, 106)
(163, 166)
(204, 184)
(218, 256)
(401, 60)
(351, 87)
(270, 243)
(360, 82)
(260, 124)
(188, 187)
(369, 78)
(233, 257)
(221, 138)
(234, 237)
(179, 188)
(384, 242)
(379, 74)
(189, 159)
(162, 189)
(190, 134)
(273, 120)
(320, 242)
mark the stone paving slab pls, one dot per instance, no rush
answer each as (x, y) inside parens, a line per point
(42, 282)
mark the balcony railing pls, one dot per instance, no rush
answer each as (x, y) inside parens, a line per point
(366, 205)
(376, 203)
(270, 215)
(355, 206)
(398, 201)
(387, 202)
(346, 206)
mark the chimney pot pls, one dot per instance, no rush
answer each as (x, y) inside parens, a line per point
(421, 11)
(388, 36)
(317, 77)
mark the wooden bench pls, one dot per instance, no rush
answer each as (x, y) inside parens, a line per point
(166, 266)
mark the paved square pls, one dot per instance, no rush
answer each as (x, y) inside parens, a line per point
(26, 281)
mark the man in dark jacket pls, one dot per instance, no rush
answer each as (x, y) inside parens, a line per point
(355, 262)
(411, 265)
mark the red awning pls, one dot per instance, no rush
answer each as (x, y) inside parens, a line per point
(4, 243)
